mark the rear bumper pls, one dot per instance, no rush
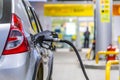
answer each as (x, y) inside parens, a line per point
(18, 73)
(13, 61)
(16, 67)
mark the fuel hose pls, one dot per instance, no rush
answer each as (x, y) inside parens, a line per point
(78, 56)
(76, 51)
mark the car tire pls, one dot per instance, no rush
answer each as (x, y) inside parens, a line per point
(39, 75)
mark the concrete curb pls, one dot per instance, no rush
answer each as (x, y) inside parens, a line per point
(101, 65)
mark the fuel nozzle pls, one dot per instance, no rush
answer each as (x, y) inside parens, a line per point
(46, 36)
(46, 39)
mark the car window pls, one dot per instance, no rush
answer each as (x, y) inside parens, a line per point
(1, 8)
(36, 19)
(31, 17)
(32, 20)
(5, 11)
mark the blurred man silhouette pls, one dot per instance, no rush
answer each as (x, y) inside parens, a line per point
(86, 38)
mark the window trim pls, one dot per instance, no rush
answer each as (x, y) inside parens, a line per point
(39, 28)
(29, 8)
(36, 18)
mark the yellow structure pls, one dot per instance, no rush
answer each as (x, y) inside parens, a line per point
(119, 39)
(108, 67)
(105, 10)
(68, 9)
(88, 54)
(105, 53)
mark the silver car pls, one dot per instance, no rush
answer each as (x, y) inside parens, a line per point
(20, 58)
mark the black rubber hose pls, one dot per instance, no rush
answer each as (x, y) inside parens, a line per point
(78, 56)
(76, 51)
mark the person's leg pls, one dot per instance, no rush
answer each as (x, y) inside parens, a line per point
(87, 43)
(84, 43)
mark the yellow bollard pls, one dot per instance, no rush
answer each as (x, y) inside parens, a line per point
(108, 67)
(119, 39)
(104, 53)
(97, 55)
(88, 54)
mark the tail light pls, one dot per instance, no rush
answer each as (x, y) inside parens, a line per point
(16, 42)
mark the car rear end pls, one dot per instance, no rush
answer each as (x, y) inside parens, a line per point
(14, 44)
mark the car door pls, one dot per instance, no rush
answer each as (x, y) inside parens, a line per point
(47, 55)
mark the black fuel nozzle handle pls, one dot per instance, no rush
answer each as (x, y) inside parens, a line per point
(45, 35)
(46, 39)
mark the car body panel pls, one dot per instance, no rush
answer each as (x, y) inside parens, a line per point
(17, 9)
(11, 60)
(14, 67)
(4, 31)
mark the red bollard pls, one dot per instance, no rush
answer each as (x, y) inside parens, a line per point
(110, 56)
